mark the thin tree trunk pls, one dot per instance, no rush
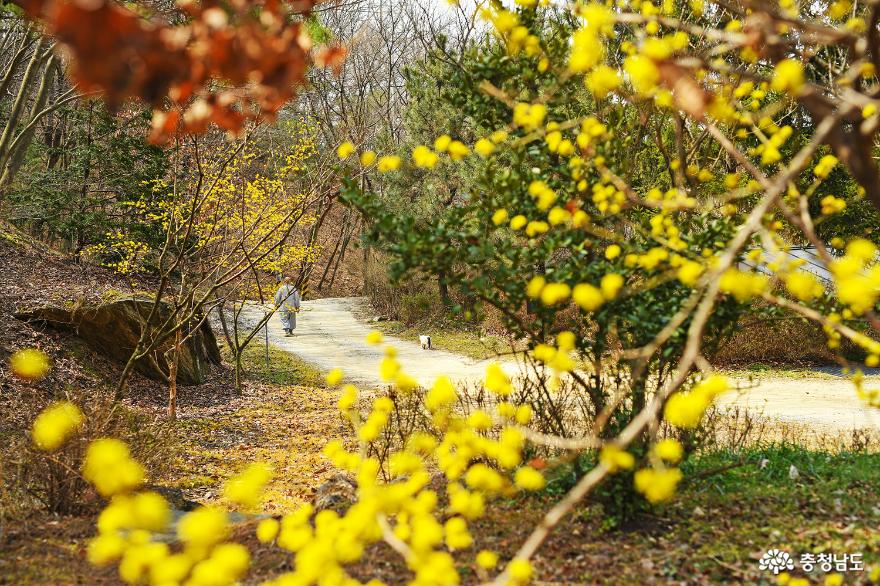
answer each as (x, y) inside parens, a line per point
(20, 145)
(173, 358)
(443, 287)
(18, 104)
(13, 65)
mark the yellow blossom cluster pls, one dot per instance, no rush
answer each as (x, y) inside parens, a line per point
(29, 364)
(686, 409)
(857, 276)
(55, 424)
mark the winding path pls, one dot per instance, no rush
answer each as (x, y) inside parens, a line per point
(329, 335)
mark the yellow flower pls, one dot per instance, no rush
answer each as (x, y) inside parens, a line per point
(657, 485)
(441, 395)
(267, 530)
(500, 217)
(825, 166)
(518, 222)
(614, 458)
(334, 377)
(611, 285)
(498, 136)
(555, 293)
(535, 286)
(29, 364)
(172, 570)
(520, 571)
(349, 398)
(689, 272)
(602, 81)
(529, 116)
(686, 409)
(497, 380)
(527, 478)
(587, 296)
(374, 338)
(388, 368)
(832, 205)
(105, 549)
(669, 449)
(368, 158)
(388, 163)
(803, 285)
(643, 73)
(457, 150)
(424, 157)
(457, 535)
(109, 466)
(55, 424)
(203, 527)
(742, 285)
(612, 252)
(586, 50)
(487, 559)
(345, 150)
(441, 145)
(536, 228)
(484, 147)
(558, 216)
(246, 489)
(150, 511)
(788, 76)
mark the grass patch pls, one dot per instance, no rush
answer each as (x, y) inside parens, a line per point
(283, 368)
(445, 336)
(762, 371)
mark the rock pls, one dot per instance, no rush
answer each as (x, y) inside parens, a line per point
(337, 494)
(379, 318)
(176, 498)
(112, 328)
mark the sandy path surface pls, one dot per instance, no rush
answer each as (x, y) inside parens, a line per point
(824, 402)
(329, 335)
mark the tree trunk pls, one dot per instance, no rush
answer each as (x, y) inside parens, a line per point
(20, 145)
(443, 286)
(24, 90)
(239, 371)
(173, 357)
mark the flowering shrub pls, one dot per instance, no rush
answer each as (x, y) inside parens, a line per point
(632, 268)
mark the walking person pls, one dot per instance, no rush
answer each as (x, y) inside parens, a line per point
(287, 301)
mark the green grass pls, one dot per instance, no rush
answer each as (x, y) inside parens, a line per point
(284, 368)
(727, 511)
(820, 473)
(445, 336)
(760, 371)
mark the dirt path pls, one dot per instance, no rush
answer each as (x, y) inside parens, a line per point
(823, 402)
(329, 335)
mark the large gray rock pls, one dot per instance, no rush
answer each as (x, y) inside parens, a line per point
(113, 329)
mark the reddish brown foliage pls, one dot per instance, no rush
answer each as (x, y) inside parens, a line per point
(226, 64)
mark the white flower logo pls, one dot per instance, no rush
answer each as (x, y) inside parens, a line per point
(776, 561)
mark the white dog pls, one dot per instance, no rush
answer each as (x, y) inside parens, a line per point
(425, 342)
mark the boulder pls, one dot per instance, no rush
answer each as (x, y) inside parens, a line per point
(113, 328)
